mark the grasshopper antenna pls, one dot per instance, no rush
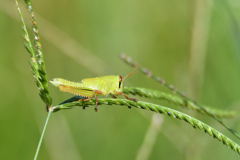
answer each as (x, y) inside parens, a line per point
(131, 73)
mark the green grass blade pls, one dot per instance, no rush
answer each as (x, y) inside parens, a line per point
(159, 109)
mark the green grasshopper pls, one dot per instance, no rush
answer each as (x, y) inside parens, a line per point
(97, 86)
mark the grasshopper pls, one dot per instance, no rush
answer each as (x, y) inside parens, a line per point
(98, 86)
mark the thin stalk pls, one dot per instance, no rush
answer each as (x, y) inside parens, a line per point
(42, 135)
(198, 44)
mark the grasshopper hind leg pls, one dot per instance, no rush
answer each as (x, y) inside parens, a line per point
(84, 99)
(89, 98)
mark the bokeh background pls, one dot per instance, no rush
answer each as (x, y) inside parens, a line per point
(193, 44)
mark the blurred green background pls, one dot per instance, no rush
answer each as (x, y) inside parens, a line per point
(193, 44)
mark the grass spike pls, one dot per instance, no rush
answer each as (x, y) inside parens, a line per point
(36, 59)
(148, 93)
(149, 74)
(28, 46)
(159, 109)
(44, 93)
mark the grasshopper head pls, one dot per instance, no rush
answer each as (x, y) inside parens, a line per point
(120, 87)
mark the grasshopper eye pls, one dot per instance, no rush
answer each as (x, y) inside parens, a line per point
(120, 81)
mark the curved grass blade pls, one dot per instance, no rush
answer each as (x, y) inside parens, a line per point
(159, 109)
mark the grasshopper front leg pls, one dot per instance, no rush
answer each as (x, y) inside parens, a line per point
(120, 93)
(113, 96)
